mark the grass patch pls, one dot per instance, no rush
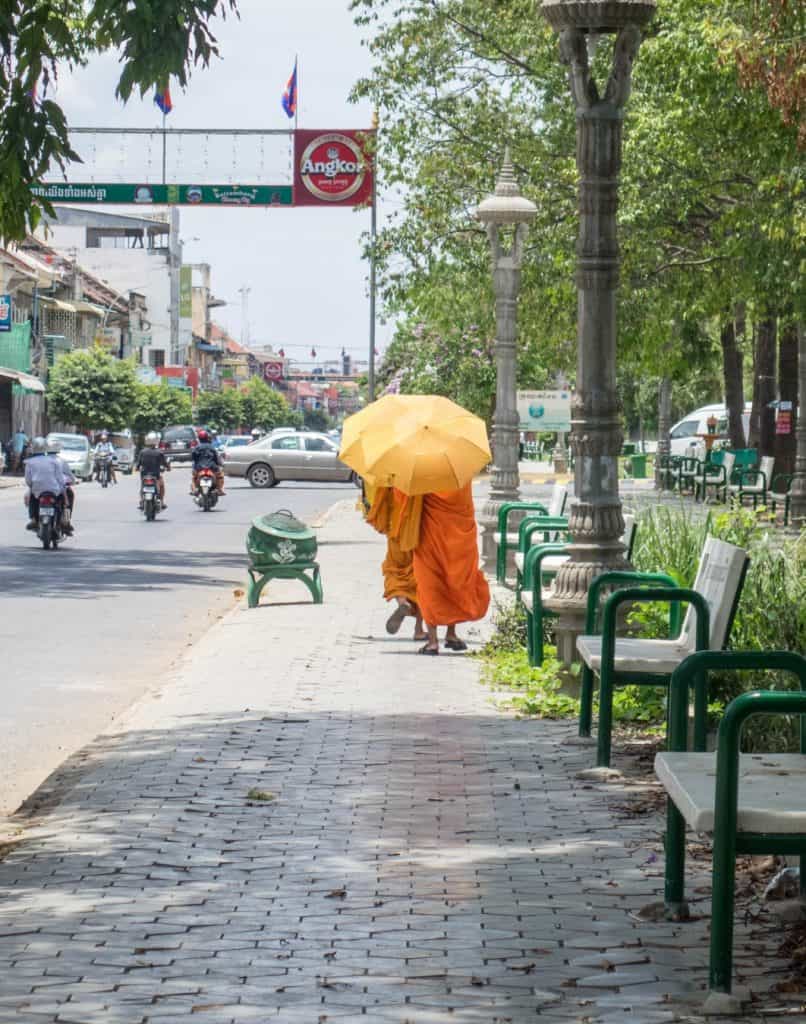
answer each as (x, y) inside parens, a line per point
(260, 795)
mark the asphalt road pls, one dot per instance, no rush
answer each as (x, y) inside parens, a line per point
(87, 629)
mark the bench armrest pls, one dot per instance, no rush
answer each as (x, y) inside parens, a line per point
(712, 473)
(534, 559)
(517, 506)
(606, 579)
(701, 663)
(645, 596)
(750, 477)
(539, 524)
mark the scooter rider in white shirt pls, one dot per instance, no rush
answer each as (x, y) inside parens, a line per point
(43, 474)
(54, 452)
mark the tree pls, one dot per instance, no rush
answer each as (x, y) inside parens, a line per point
(264, 407)
(92, 390)
(158, 406)
(155, 40)
(316, 419)
(222, 410)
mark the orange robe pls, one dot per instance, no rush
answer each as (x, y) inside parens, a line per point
(450, 586)
(398, 518)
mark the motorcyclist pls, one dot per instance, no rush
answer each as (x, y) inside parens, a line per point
(105, 447)
(151, 462)
(54, 449)
(256, 434)
(43, 475)
(205, 456)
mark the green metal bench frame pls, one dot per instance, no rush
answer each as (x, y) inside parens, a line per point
(503, 520)
(260, 574)
(528, 528)
(649, 587)
(727, 842)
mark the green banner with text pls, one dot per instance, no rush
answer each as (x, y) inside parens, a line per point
(167, 195)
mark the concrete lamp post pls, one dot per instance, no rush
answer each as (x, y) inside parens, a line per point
(596, 523)
(505, 209)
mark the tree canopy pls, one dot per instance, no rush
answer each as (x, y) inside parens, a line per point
(711, 210)
(158, 406)
(156, 40)
(92, 390)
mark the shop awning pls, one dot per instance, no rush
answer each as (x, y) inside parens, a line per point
(74, 306)
(26, 380)
(204, 346)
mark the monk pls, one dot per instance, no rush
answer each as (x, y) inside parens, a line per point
(450, 587)
(397, 517)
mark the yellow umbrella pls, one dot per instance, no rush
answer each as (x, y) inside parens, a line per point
(417, 443)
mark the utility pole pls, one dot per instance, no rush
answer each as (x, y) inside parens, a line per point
(373, 237)
(174, 265)
(244, 293)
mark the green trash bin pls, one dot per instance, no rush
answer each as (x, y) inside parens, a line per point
(280, 546)
(638, 466)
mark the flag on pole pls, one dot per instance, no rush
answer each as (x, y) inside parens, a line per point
(163, 99)
(289, 100)
(313, 353)
(281, 353)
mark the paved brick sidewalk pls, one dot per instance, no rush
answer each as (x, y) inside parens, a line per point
(422, 857)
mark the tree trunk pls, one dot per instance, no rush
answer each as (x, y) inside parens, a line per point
(798, 507)
(785, 444)
(664, 425)
(754, 431)
(734, 385)
(764, 385)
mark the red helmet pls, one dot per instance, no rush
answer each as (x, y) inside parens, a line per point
(204, 436)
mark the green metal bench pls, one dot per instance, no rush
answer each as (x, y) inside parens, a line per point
(642, 661)
(506, 540)
(765, 815)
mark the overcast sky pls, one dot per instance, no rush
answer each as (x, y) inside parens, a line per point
(307, 278)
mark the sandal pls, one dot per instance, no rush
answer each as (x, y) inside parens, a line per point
(433, 651)
(395, 620)
(455, 645)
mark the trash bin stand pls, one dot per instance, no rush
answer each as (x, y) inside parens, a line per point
(259, 576)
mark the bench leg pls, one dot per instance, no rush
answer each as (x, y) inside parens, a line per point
(537, 634)
(501, 560)
(723, 882)
(603, 739)
(674, 894)
(586, 702)
(529, 638)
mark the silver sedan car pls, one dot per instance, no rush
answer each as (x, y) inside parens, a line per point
(76, 452)
(288, 456)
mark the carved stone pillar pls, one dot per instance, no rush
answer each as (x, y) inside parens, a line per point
(596, 522)
(505, 209)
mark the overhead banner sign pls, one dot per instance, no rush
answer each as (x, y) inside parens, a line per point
(332, 168)
(167, 195)
(545, 410)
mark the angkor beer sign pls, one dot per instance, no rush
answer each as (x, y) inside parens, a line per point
(332, 168)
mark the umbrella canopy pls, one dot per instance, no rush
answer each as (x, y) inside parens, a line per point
(417, 443)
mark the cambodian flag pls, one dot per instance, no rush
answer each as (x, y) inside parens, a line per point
(163, 100)
(289, 100)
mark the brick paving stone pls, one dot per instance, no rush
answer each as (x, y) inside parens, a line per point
(398, 875)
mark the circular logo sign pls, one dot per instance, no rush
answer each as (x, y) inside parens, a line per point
(273, 371)
(333, 168)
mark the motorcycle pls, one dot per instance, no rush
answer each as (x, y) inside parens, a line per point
(206, 495)
(103, 469)
(150, 498)
(50, 524)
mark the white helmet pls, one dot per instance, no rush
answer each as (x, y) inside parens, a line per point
(152, 439)
(54, 446)
(39, 446)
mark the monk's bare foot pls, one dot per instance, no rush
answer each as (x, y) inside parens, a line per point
(419, 629)
(395, 620)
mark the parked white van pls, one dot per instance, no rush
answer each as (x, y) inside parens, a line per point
(684, 434)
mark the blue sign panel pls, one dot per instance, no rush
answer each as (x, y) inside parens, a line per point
(5, 312)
